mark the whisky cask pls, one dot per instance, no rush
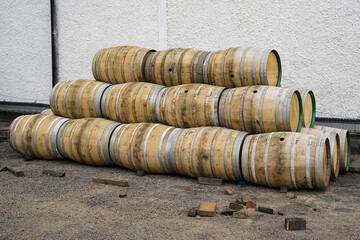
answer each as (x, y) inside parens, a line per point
(309, 108)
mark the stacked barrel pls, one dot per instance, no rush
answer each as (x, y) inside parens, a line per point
(184, 111)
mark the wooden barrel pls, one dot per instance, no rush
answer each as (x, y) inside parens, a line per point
(239, 67)
(130, 102)
(345, 146)
(260, 109)
(205, 152)
(189, 105)
(35, 135)
(295, 160)
(120, 64)
(141, 146)
(309, 107)
(77, 99)
(334, 141)
(86, 140)
(47, 112)
(175, 66)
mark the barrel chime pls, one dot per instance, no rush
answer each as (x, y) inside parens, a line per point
(215, 114)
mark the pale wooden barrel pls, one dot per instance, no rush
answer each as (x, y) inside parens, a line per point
(260, 109)
(47, 112)
(239, 67)
(205, 152)
(35, 135)
(120, 64)
(130, 102)
(295, 160)
(141, 146)
(77, 99)
(189, 105)
(345, 146)
(175, 66)
(334, 141)
(86, 140)
(309, 107)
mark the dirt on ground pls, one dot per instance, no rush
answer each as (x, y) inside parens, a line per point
(39, 206)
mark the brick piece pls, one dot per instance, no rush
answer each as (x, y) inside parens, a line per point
(17, 173)
(266, 210)
(140, 173)
(228, 191)
(236, 206)
(292, 224)
(251, 212)
(210, 181)
(122, 183)
(53, 173)
(207, 209)
(283, 189)
(227, 211)
(251, 204)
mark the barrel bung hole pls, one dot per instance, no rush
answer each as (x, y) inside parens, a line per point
(170, 69)
(186, 91)
(255, 91)
(232, 75)
(282, 139)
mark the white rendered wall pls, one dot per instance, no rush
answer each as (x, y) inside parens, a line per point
(318, 41)
(25, 51)
(85, 27)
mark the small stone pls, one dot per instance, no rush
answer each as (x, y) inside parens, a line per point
(281, 213)
(193, 212)
(292, 224)
(227, 211)
(239, 214)
(251, 204)
(251, 212)
(122, 195)
(140, 173)
(4, 168)
(245, 200)
(290, 195)
(236, 206)
(228, 191)
(239, 199)
(266, 210)
(283, 189)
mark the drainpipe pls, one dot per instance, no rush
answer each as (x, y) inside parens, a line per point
(54, 43)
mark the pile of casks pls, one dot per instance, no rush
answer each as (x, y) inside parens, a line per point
(214, 114)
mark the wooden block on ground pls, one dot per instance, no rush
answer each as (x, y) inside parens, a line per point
(53, 173)
(17, 173)
(207, 209)
(292, 224)
(240, 214)
(227, 211)
(283, 189)
(4, 168)
(210, 181)
(122, 183)
(236, 206)
(228, 191)
(266, 210)
(355, 166)
(251, 204)
(251, 212)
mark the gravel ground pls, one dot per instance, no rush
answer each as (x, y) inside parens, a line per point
(73, 207)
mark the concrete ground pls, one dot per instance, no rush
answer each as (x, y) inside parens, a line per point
(38, 206)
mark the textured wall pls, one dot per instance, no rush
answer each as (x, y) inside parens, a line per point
(25, 51)
(85, 27)
(318, 41)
